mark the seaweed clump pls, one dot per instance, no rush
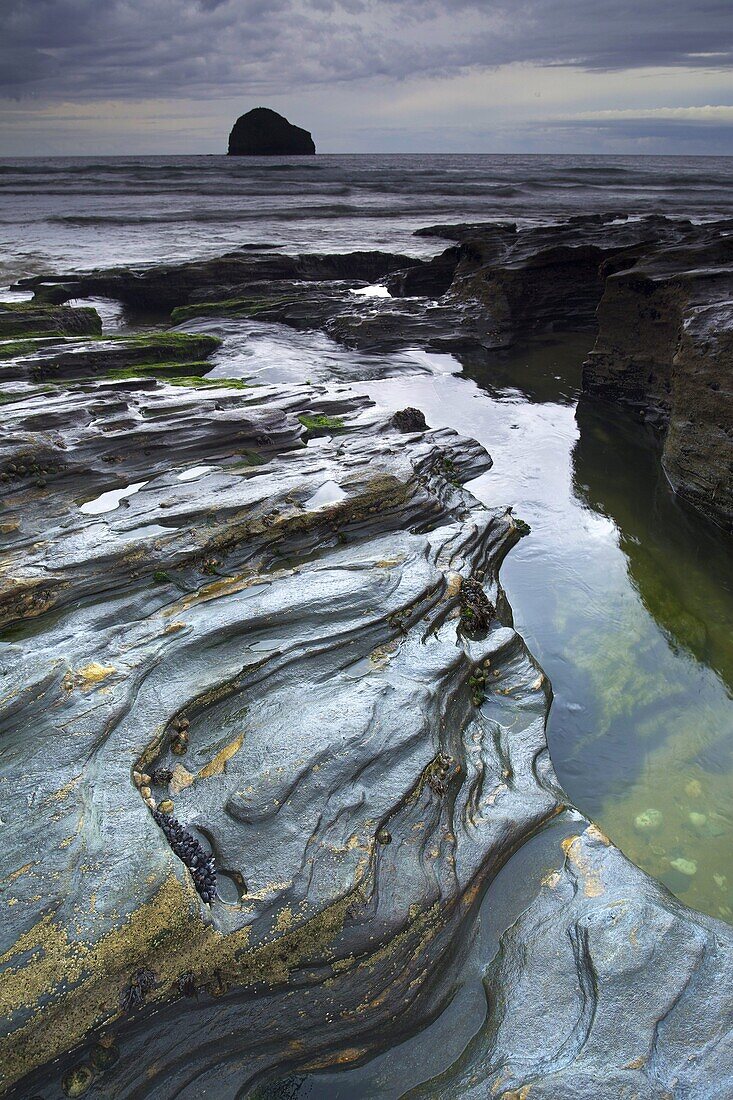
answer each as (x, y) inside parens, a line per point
(477, 610)
(141, 983)
(190, 852)
(409, 420)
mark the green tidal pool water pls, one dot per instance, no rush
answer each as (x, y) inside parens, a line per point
(624, 596)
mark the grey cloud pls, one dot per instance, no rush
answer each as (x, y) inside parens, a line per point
(145, 48)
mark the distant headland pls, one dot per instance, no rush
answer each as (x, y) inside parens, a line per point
(265, 133)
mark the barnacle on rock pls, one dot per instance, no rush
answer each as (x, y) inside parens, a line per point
(437, 772)
(477, 683)
(179, 736)
(103, 1055)
(190, 852)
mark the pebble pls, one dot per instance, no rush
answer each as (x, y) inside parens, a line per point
(698, 821)
(684, 866)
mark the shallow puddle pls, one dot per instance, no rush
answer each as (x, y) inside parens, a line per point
(107, 502)
(329, 493)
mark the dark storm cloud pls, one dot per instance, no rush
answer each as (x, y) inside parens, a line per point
(143, 48)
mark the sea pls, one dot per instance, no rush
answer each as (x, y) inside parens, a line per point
(89, 211)
(624, 596)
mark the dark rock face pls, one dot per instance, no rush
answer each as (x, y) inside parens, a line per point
(265, 133)
(659, 292)
(21, 319)
(410, 420)
(665, 350)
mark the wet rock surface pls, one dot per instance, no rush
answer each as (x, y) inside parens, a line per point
(273, 616)
(313, 659)
(602, 960)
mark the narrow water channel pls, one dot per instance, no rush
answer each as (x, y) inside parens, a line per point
(624, 597)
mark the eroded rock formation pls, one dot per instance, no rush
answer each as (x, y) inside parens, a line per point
(602, 960)
(304, 655)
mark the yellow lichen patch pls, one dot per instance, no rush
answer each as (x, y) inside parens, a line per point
(471, 895)
(551, 880)
(517, 1094)
(453, 587)
(284, 919)
(388, 563)
(498, 790)
(218, 763)
(92, 674)
(173, 628)
(636, 1063)
(382, 654)
(63, 792)
(52, 964)
(343, 1058)
(21, 871)
(592, 884)
(216, 589)
(70, 985)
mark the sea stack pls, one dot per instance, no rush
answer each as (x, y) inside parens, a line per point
(265, 133)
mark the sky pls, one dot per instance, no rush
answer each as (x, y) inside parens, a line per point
(86, 77)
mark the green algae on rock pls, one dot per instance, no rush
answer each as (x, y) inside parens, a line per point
(29, 319)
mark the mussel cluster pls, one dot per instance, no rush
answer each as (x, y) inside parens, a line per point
(190, 852)
(477, 610)
(161, 777)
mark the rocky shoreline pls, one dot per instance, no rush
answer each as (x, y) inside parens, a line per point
(278, 618)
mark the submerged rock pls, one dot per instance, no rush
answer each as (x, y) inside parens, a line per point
(262, 132)
(684, 866)
(648, 821)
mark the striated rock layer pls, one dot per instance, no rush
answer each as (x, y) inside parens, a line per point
(602, 961)
(303, 654)
(658, 291)
(665, 349)
(297, 610)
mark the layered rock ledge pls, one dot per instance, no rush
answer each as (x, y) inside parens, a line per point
(656, 289)
(275, 616)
